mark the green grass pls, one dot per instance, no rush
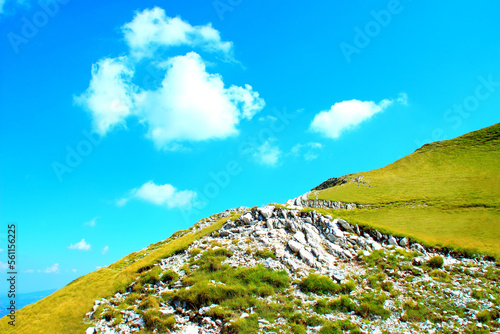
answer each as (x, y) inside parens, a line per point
(457, 180)
(64, 310)
(323, 285)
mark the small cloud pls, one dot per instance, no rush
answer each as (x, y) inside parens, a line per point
(29, 271)
(152, 29)
(308, 151)
(267, 154)
(54, 269)
(73, 270)
(347, 115)
(166, 195)
(91, 222)
(81, 245)
(1, 250)
(3, 266)
(403, 99)
(268, 118)
(105, 250)
(98, 267)
(122, 201)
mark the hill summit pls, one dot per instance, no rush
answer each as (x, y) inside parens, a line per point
(276, 270)
(407, 248)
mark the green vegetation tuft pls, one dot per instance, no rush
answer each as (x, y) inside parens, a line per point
(324, 285)
(436, 262)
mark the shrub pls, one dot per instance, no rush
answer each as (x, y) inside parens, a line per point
(195, 251)
(387, 286)
(372, 305)
(248, 325)
(298, 328)
(439, 275)
(149, 303)
(169, 276)
(435, 262)
(338, 327)
(483, 316)
(151, 276)
(314, 321)
(323, 285)
(264, 254)
(479, 294)
(154, 319)
(342, 304)
(131, 298)
(414, 312)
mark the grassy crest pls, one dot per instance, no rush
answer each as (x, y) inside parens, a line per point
(444, 194)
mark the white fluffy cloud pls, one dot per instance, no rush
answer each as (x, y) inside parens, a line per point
(189, 104)
(267, 154)
(152, 28)
(105, 250)
(193, 105)
(165, 195)
(110, 95)
(308, 151)
(81, 245)
(346, 115)
(54, 269)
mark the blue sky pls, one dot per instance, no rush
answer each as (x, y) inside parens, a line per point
(125, 121)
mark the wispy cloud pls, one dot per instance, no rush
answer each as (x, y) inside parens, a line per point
(347, 115)
(54, 269)
(91, 222)
(308, 151)
(267, 154)
(105, 250)
(81, 245)
(164, 195)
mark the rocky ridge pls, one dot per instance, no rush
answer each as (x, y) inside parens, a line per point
(336, 276)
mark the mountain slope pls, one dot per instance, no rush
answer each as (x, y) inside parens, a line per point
(256, 267)
(62, 311)
(444, 194)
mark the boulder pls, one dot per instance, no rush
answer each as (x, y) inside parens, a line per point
(266, 211)
(403, 242)
(392, 241)
(299, 236)
(295, 246)
(247, 218)
(345, 225)
(308, 258)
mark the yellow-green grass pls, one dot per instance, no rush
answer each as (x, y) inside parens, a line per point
(460, 172)
(476, 230)
(457, 180)
(65, 309)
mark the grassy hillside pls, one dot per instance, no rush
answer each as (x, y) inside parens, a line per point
(446, 193)
(63, 311)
